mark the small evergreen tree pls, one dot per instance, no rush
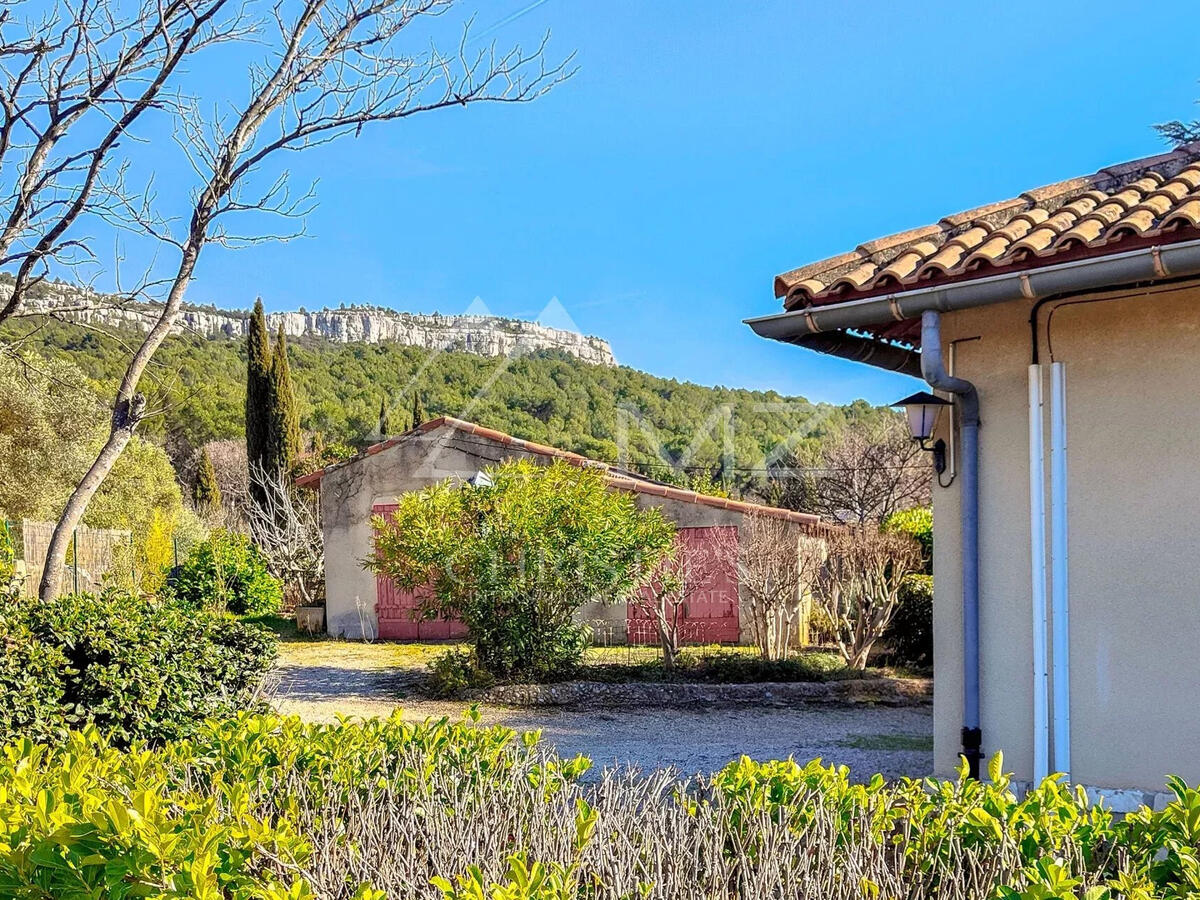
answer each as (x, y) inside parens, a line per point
(206, 492)
(258, 388)
(383, 417)
(418, 410)
(283, 442)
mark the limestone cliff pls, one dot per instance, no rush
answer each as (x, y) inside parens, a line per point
(483, 335)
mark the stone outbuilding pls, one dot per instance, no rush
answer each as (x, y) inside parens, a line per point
(361, 606)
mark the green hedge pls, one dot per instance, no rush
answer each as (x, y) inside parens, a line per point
(269, 808)
(135, 667)
(909, 635)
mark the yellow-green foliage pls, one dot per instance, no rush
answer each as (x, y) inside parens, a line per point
(214, 816)
(52, 422)
(267, 808)
(515, 559)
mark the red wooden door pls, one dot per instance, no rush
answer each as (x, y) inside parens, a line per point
(710, 613)
(396, 608)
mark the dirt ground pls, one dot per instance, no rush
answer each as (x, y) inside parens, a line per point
(321, 680)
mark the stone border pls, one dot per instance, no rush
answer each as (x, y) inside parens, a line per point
(594, 694)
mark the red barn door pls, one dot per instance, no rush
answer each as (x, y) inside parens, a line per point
(396, 608)
(710, 614)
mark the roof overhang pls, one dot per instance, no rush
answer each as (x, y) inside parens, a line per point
(1159, 262)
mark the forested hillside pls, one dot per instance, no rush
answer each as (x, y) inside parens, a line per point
(198, 390)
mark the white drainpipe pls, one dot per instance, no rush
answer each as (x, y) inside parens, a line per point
(1058, 569)
(1037, 550)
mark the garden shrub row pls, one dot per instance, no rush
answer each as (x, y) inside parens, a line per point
(455, 673)
(137, 667)
(268, 808)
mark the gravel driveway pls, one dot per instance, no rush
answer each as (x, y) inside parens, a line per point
(352, 679)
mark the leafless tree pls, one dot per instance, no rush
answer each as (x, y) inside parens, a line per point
(73, 84)
(777, 562)
(859, 586)
(681, 578)
(288, 532)
(333, 67)
(869, 472)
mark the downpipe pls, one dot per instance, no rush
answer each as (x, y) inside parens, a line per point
(1037, 556)
(967, 403)
(1059, 579)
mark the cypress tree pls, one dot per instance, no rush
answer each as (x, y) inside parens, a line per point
(383, 418)
(206, 493)
(258, 388)
(283, 441)
(418, 410)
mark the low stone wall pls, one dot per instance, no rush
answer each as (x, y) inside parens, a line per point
(593, 694)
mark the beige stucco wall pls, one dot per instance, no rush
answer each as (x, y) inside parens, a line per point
(349, 493)
(1133, 434)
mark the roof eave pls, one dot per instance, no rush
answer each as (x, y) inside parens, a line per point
(1145, 264)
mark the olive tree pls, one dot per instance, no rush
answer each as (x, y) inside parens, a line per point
(515, 559)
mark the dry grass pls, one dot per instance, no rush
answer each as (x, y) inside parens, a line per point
(359, 655)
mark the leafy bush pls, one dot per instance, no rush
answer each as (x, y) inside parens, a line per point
(515, 559)
(917, 523)
(227, 572)
(8, 556)
(455, 672)
(910, 635)
(137, 668)
(269, 808)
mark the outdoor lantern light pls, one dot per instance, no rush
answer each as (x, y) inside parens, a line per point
(922, 410)
(480, 479)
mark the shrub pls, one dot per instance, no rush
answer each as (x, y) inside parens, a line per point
(910, 635)
(515, 559)
(269, 808)
(135, 667)
(455, 672)
(8, 557)
(917, 523)
(227, 572)
(727, 666)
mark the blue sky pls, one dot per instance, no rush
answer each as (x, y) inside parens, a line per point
(702, 148)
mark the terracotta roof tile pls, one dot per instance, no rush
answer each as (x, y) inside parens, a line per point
(616, 478)
(1157, 197)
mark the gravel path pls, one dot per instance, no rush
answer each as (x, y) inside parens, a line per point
(868, 739)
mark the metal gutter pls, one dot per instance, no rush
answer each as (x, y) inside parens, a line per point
(1144, 264)
(864, 350)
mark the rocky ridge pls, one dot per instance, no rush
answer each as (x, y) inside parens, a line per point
(482, 335)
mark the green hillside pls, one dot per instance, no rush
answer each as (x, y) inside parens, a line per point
(197, 384)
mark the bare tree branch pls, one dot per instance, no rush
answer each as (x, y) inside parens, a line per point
(777, 564)
(336, 66)
(859, 586)
(82, 80)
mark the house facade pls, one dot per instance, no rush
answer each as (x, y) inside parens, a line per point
(1064, 327)
(361, 606)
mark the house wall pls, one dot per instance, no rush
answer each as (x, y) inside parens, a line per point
(348, 494)
(1133, 429)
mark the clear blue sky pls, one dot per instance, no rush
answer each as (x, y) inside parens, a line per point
(702, 148)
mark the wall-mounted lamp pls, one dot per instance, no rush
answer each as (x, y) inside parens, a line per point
(923, 409)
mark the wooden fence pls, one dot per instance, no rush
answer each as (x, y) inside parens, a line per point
(94, 554)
